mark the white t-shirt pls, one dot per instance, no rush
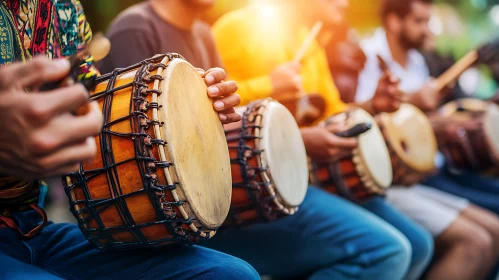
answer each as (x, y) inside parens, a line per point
(412, 78)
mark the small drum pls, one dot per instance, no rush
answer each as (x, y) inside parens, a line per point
(470, 138)
(364, 173)
(269, 164)
(162, 174)
(411, 142)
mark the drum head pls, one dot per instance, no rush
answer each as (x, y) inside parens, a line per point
(411, 135)
(492, 129)
(196, 143)
(374, 155)
(285, 154)
(469, 104)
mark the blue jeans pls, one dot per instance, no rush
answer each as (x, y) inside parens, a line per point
(61, 252)
(480, 190)
(328, 238)
(420, 239)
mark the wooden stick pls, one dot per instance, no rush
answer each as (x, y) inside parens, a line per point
(456, 70)
(308, 41)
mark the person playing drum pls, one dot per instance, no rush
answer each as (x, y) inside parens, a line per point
(459, 227)
(42, 138)
(233, 39)
(261, 36)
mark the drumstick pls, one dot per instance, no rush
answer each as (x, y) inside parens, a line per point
(384, 67)
(304, 103)
(308, 41)
(355, 131)
(456, 70)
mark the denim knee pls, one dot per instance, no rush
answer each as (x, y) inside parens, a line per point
(395, 258)
(229, 269)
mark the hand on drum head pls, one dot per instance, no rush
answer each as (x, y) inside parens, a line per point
(40, 136)
(222, 93)
(388, 96)
(324, 147)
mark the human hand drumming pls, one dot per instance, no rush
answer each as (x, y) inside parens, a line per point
(223, 94)
(41, 136)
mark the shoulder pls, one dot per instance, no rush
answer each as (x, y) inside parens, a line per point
(135, 18)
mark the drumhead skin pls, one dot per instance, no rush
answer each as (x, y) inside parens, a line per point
(373, 153)
(492, 129)
(196, 143)
(470, 104)
(285, 154)
(490, 122)
(411, 136)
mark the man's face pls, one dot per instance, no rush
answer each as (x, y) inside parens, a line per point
(328, 11)
(414, 29)
(201, 4)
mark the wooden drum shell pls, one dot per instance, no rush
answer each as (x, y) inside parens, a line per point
(352, 176)
(463, 139)
(131, 194)
(255, 196)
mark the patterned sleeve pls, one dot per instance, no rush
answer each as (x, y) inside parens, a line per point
(85, 36)
(84, 30)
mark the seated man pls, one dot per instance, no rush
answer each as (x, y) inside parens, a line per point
(268, 72)
(352, 242)
(467, 237)
(42, 138)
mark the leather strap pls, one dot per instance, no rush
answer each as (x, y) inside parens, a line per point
(12, 224)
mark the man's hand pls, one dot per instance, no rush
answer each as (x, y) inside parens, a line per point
(41, 137)
(388, 96)
(286, 82)
(429, 98)
(222, 93)
(324, 147)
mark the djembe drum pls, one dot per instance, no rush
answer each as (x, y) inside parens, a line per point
(469, 136)
(162, 173)
(366, 171)
(269, 164)
(411, 143)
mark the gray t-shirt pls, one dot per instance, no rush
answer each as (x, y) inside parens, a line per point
(139, 33)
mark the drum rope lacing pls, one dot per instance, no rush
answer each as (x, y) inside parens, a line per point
(146, 162)
(255, 178)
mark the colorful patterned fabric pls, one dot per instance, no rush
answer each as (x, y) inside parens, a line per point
(52, 28)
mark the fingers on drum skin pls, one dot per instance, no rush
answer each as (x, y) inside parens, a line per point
(215, 75)
(222, 89)
(227, 103)
(229, 118)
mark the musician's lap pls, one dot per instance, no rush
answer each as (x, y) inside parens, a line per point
(420, 239)
(479, 189)
(60, 250)
(328, 236)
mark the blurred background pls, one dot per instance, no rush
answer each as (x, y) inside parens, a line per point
(459, 25)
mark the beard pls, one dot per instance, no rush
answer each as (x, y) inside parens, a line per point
(409, 43)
